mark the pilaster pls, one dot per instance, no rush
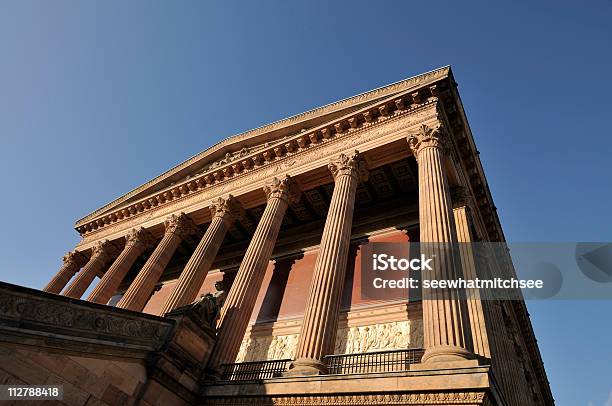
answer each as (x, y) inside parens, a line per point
(461, 208)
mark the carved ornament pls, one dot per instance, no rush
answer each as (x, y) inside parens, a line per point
(351, 165)
(227, 208)
(413, 398)
(283, 188)
(104, 251)
(429, 137)
(404, 85)
(139, 237)
(74, 258)
(181, 225)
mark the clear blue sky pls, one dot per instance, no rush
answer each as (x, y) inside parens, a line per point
(98, 97)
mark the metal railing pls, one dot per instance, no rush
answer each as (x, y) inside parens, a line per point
(362, 363)
(247, 371)
(379, 361)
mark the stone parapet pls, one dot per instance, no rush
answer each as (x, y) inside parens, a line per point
(29, 316)
(102, 355)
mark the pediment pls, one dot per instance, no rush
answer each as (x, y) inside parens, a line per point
(240, 145)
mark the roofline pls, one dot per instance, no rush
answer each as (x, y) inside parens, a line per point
(315, 112)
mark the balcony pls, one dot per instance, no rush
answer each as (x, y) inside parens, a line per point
(363, 363)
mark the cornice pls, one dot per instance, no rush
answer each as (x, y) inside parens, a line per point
(403, 85)
(386, 110)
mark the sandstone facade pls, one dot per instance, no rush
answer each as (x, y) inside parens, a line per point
(276, 218)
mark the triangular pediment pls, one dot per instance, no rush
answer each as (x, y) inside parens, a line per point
(248, 142)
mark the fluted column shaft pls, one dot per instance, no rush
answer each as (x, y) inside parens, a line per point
(197, 267)
(319, 328)
(135, 244)
(443, 312)
(239, 304)
(72, 264)
(137, 295)
(475, 305)
(99, 258)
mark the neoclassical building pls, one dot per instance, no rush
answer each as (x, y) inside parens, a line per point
(235, 277)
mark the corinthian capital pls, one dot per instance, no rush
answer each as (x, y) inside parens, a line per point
(181, 225)
(352, 165)
(425, 137)
(226, 208)
(74, 258)
(103, 250)
(284, 188)
(139, 236)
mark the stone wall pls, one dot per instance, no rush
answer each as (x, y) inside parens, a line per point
(100, 354)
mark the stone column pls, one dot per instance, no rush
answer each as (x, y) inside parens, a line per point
(318, 333)
(136, 242)
(101, 254)
(194, 273)
(139, 292)
(73, 261)
(443, 312)
(461, 208)
(238, 306)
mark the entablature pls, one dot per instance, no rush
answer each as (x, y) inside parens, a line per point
(315, 151)
(243, 174)
(254, 139)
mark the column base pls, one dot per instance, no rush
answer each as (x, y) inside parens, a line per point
(306, 367)
(445, 353)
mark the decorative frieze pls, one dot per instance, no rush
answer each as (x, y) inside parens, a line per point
(54, 315)
(404, 85)
(394, 335)
(365, 134)
(260, 348)
(224, 170)
(418, 398)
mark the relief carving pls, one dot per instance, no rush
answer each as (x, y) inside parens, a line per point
(267, 348)
(427, 137)
(414, 398)
(79, 320)
(395, 335)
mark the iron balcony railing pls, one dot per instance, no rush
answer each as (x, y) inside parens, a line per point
(376, 361)
(362, 363)
(248, 371)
